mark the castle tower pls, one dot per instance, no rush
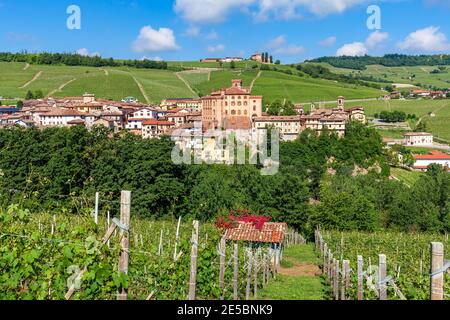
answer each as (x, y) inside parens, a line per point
(341, 103)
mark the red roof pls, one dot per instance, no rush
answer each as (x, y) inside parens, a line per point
(271, 232)
(433, 155)
(155, 122)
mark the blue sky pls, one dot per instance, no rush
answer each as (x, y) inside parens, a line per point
(292, 30)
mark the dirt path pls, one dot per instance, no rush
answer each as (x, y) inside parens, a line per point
(141, 88)
(61, 87)
(299, 277)
(27, 65)
(178, 74)
(256, 78)
(106, 72)
(300, 270)
(32, 80)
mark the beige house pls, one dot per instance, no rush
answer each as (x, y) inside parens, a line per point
(153, 128)
(231, 108)
(182, 103)
(290, 127)
(327, 119)
(417, 139)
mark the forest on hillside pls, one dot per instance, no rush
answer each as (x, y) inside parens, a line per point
(389, 60)
(317, 184)
(72, 59)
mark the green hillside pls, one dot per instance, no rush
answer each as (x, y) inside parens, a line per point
(413, 75)
(152, 85)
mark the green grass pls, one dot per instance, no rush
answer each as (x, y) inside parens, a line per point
(407, 177)
(392, 134)
(276, 85)
(296, 287)
(438, 125)
(222, 79)
(115, 86)
(195, 78)
(401, 75)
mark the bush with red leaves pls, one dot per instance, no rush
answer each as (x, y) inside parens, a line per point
(230, 221)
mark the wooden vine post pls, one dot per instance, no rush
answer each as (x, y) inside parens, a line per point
(236, 271)
(437, 278)
(255, 275)
(382, 276)
(97, 198)
(249, 273)
(222, 248)
(194, 254)
(360, 278)
(336, 279)
(345, 285)
(125, 210)
(177, 239)
(325, 258)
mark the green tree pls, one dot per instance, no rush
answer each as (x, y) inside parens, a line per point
(29, 95)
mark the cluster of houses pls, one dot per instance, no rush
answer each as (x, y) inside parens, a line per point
(229, 109)
(258, 57)
(420, 93)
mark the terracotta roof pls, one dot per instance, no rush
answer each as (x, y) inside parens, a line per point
(65, 112)
(275, 118)
(271, 232)
(414, 134)
(156, 122)
(76, 121)
(433, 155)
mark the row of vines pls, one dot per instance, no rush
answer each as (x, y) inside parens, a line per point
(41, 256)
(407, 257)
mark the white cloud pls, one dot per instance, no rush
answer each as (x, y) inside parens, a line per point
(192, 32)
(217, 48)
(352, 50)
(152, 58)
(216, 11)
(85, 52)
(280, 46)
(276, 43)
(212, 36)
(290, 50)
(152, 40)
(425, 40)
(376, 38)
(292, 9)
(208, 11)
(361, 49)
(328, 42)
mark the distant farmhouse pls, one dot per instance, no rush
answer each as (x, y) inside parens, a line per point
(435, 157)
(227, 59)
(418, 139)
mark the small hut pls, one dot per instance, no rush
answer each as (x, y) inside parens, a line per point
(271, 233)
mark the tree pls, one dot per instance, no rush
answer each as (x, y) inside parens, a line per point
(233, 65)
(288, 109)
(19, 104)
(39, 94)
(29, 95)
(277, 61)
(421, 127)
(275, 108)
(271, 59)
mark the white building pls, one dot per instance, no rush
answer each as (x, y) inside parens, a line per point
(418, 139)
(58, 117)
(290, 126)
(434, 157)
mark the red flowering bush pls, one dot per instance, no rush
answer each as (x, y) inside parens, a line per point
(234, 216)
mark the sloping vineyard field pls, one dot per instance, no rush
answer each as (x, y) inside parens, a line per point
(408, 259)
